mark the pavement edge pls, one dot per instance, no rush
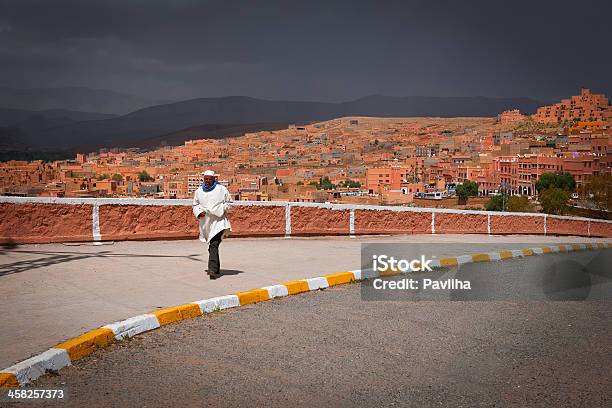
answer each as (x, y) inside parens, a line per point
(65, 353)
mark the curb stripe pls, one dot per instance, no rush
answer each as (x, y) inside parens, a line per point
(463, 259)
(481, 258)
(133, 326)
(85, 344)
(8, 380)
(34, 367)
(296, 287)
(176, 313)
(448, 262)
(252, 296)
(320, 283)
(218, 303)
(389, 272)
(357, 274)
(339, 278)
(276, 291)
(494, 256)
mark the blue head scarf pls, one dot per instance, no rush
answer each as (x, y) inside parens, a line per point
(207, 188)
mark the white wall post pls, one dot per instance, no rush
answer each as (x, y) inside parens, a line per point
(95, 223)
(589, 228)
(433, 222)
(287, 221)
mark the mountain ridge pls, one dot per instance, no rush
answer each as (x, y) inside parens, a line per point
(74, 98)
(153, 122)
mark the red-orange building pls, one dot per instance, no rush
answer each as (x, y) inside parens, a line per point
(510, 116)
(388, 178)
(586, 106)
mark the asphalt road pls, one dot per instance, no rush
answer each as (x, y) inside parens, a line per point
(331, 348)
(50, 293)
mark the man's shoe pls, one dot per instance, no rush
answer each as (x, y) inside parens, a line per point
(212, 275)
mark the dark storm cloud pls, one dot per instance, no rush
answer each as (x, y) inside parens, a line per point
(318, 50)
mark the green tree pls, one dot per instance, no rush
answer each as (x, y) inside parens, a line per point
(117, 177)
(598, 189)
(300, 183)
(498, 202)
(326, 183)
(554, 200)
(564, 181)
(144, 176)
(467, 189)
(103, 176)
(505, 202)
(519, 204)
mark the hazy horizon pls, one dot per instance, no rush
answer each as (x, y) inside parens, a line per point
(297, 99)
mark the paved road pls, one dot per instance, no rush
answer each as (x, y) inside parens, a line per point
(49, 293)
(331, 348)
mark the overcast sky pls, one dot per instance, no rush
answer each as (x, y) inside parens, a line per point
(309, 50)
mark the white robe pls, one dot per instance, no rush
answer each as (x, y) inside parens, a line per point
(215, 204)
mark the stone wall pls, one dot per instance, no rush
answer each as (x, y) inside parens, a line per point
(29, 223)
(42, 220)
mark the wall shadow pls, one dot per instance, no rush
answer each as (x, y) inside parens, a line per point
(49, 258)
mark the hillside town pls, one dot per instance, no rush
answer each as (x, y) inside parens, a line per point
(359, 160)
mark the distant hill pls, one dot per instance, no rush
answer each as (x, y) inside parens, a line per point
(10, 117)
(26, 126)
(11, 138)
(72, 98)
(147, 125)
(209, 131)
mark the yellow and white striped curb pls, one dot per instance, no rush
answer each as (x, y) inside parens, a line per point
(65, 353)
(513, 253)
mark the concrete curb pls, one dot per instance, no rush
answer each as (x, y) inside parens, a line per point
(65, 353)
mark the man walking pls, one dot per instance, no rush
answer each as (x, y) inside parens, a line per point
(210, 205)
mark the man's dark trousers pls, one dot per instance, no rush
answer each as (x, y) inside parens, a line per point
(214, 265)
